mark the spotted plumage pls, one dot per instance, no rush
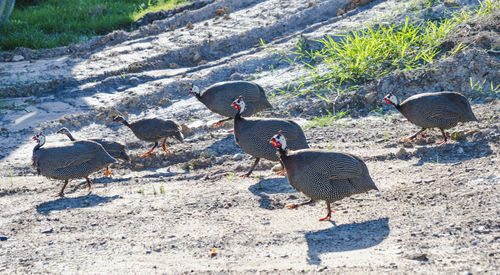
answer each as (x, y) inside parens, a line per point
(441, 110)
(153, 129)
(218, 98)
(77, 159)
(252, 134)
(116, 149)
(322, 174)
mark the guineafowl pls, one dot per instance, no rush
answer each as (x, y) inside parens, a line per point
(152, 130)
(441, 110)
(253, 134)
(114, 148)
(77, 159)
(322, 174)
(218, 98)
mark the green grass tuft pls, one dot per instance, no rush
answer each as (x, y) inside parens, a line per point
(344, 61)
(54, 23)
(328, 120)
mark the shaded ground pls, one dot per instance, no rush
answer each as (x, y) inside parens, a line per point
(435, 212)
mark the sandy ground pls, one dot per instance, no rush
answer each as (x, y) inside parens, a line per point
(436, 212)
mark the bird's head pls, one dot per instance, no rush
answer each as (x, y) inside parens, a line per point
(391, 99)
(39, 138)
(194, 91)
(63, 131)
(239, 104)
(278, 141)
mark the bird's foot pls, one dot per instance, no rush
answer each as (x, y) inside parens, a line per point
(328, 216)
(292, 206)
(244, 175)
(164, 146)
(281, 173)
(218, 124)
(147, 154)
(58, 195)
(107, 173)
(230, 131)
(441, 143)
(408, 139)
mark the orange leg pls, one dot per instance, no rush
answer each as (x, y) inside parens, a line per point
(219, 123)
(107, 173)
(164, 145)
(445, 138)
(61, 193)
(150, 151)
(282, 172)
(411, 138)
(293, 206)
(90, 183)
(329, 214)
(251, 169)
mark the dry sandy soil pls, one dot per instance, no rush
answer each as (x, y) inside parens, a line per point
(437, 210)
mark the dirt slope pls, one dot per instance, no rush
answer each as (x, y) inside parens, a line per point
(437, 209)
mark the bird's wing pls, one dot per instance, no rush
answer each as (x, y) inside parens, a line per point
(68, 155)
(336, 166)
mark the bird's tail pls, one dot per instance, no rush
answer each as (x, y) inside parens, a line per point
(125, 156)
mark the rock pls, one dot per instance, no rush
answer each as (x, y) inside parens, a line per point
(236, 76)
(221, 11)
(371, 98)
(3, 238)
(173, 65)
(196, 56)
(17, 58)
(340, 12)
(418, 257)
(48, 231)
(276, 168)
(238, 156)
(402, 153)
(200, 163)
(138, 166)
(186, 131)
(488, 99)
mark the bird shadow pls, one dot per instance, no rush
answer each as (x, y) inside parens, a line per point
(270, 186)
(63, 203)
(346, 237)
(452, 152)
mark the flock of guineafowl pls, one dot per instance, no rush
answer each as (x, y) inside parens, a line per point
(319, 174)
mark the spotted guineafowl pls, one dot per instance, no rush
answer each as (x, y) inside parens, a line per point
(77, 159)
(253, 134)
(323, 175)
(114, 148)
(441, 110)
(218, 98)
(152, 130)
